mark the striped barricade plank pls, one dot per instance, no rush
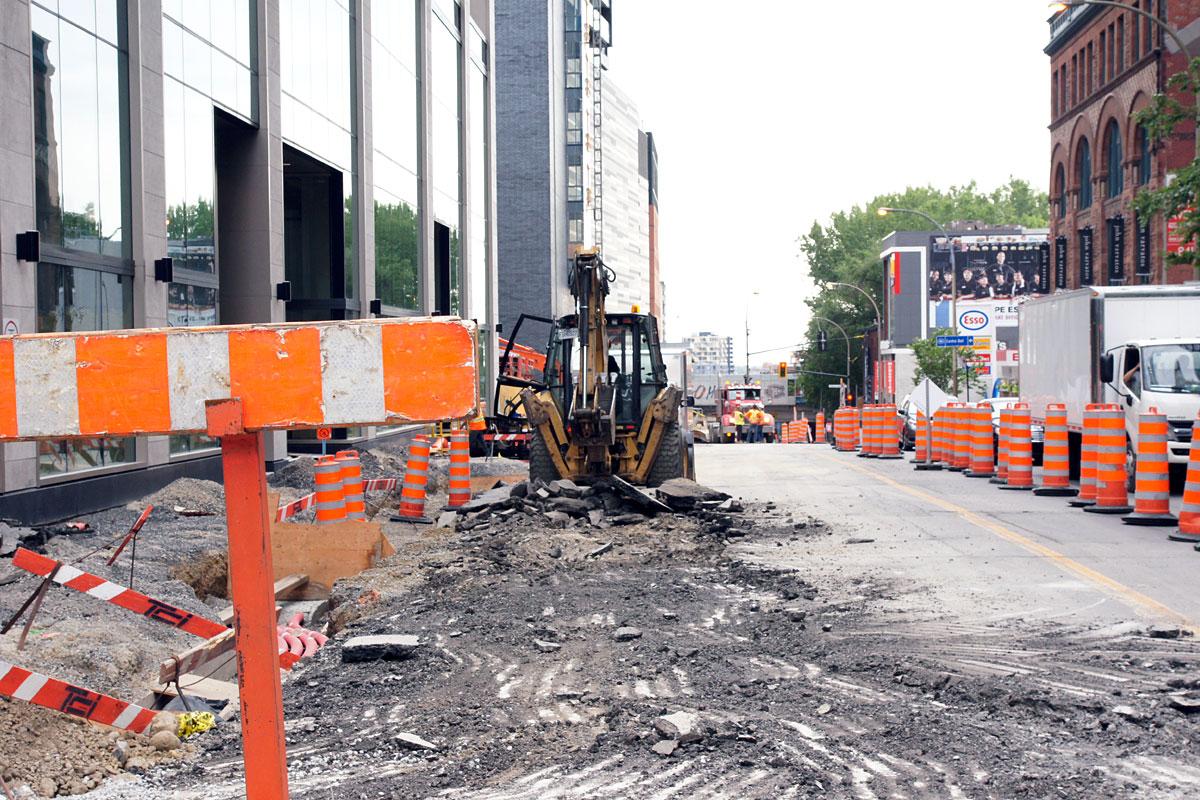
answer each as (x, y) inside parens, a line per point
(297, 375)
(75, 578)
(33, 687)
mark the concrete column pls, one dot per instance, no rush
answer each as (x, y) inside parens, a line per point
(425, 154)
(147, 183)
(18, 279)
(466, 173)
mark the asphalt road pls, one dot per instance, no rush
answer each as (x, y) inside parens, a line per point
(980, 552)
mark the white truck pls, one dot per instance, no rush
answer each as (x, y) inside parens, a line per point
(1137, 346)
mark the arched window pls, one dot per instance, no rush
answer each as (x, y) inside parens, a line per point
(1143, 149)
(1060, 191)
(1083, 171)
(1115, 157)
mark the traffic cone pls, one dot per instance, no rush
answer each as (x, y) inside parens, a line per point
(416, 479)
(1087, 458)
(981, 442)
(953, 437)
(924, 445)
(460, 468)
(352, 484)
(329, 503)
(1111, 451)
(1189, 513)
(820, 427)
(889, 435)
(868, 432)
(1056, 455)
(1001, 476)
(1020, 449)
(1152, 485)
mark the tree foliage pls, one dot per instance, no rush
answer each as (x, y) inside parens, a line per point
(846, 250)
(937, 363)
(1162, 119)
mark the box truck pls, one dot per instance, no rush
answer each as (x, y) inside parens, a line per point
(1136, 346)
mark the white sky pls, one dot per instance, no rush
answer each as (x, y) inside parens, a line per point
(781, 112)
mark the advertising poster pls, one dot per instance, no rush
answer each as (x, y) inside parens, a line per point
(995, 275)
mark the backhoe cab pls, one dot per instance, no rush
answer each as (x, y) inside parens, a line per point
(605, 406)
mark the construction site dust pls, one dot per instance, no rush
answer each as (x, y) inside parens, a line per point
(550, 638)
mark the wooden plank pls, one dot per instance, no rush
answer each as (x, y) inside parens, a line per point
(196, 657)
(283, 586)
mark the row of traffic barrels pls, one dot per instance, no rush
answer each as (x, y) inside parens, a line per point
(961, 440)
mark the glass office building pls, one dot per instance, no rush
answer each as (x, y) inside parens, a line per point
(178, 171)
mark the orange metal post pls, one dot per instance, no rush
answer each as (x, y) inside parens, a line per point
(251, 578)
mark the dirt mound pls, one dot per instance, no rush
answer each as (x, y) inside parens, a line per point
(208, 575)
(193, 494)
(56, 754)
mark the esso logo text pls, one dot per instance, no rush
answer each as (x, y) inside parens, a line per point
(973, 320)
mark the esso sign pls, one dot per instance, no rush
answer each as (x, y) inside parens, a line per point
(972, 320)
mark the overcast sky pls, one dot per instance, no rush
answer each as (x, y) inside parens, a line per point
(781, 112)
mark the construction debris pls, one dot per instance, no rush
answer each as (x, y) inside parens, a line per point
(375, 648)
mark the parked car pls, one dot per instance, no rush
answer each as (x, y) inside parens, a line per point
(1037, 433)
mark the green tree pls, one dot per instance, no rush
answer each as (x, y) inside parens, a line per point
(396, 281)
(937, 363)
(1162, 120)
(846, 250)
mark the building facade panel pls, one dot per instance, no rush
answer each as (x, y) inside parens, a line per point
(213, 161)
(1106, 64)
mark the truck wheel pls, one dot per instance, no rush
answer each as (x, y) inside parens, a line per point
(541, 465)
(668, 463)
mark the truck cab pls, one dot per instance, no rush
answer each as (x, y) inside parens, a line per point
(1157, 373)
(734, 397)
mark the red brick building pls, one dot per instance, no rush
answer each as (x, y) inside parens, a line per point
(1105, 65)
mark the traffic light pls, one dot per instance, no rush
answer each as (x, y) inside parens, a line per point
(783, 369)
(849, 397)
(822, 341)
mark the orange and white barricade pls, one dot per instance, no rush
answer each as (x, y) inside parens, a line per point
(1152, 482)
(1112, 496)
(1020, 448)
(820, 438)
(982, 461)
(1189, 512)
(1087, 457)
(1056, 455)
(889, 434)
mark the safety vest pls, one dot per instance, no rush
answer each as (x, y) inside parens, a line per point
(738, 418)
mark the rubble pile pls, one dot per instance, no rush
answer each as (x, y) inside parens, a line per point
(602, 504)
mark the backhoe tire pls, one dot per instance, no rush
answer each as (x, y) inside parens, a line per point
(668, 463)
(541, 465)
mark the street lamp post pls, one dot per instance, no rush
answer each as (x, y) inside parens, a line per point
(883, 212)
(752, 294)
(842, 399)
(1166, 28)
(878, 327)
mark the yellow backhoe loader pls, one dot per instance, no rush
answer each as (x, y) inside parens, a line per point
(605, 406)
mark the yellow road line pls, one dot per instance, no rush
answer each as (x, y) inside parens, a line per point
(1066, 563)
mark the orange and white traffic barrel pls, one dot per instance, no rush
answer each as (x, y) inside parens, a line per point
(923, 446)
(889, 435)
(1087, 457)
(958, 456)
(352, 484)
(1001, 476)
(1020, 448)
(869, 433)
(1112, 496)
(1189, 512)
(820, 427)
(982, 460)
(416, 481)
(330, 502)
(460, 469)
(938, 452)
(1152, 482)
(1056, 455)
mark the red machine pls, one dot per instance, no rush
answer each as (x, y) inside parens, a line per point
(741, 396)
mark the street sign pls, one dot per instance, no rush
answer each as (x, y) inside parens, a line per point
(956, 341)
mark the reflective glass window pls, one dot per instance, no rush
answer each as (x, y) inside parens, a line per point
(77, 299)
(1143, 143)
(1116, 161)
(395, 109)
(446, 139)
(478, 307)
(1085, 174)
(207, 45)
(78, 104)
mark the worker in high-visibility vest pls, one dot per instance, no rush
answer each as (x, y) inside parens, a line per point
(739, 424)
(755, 417)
